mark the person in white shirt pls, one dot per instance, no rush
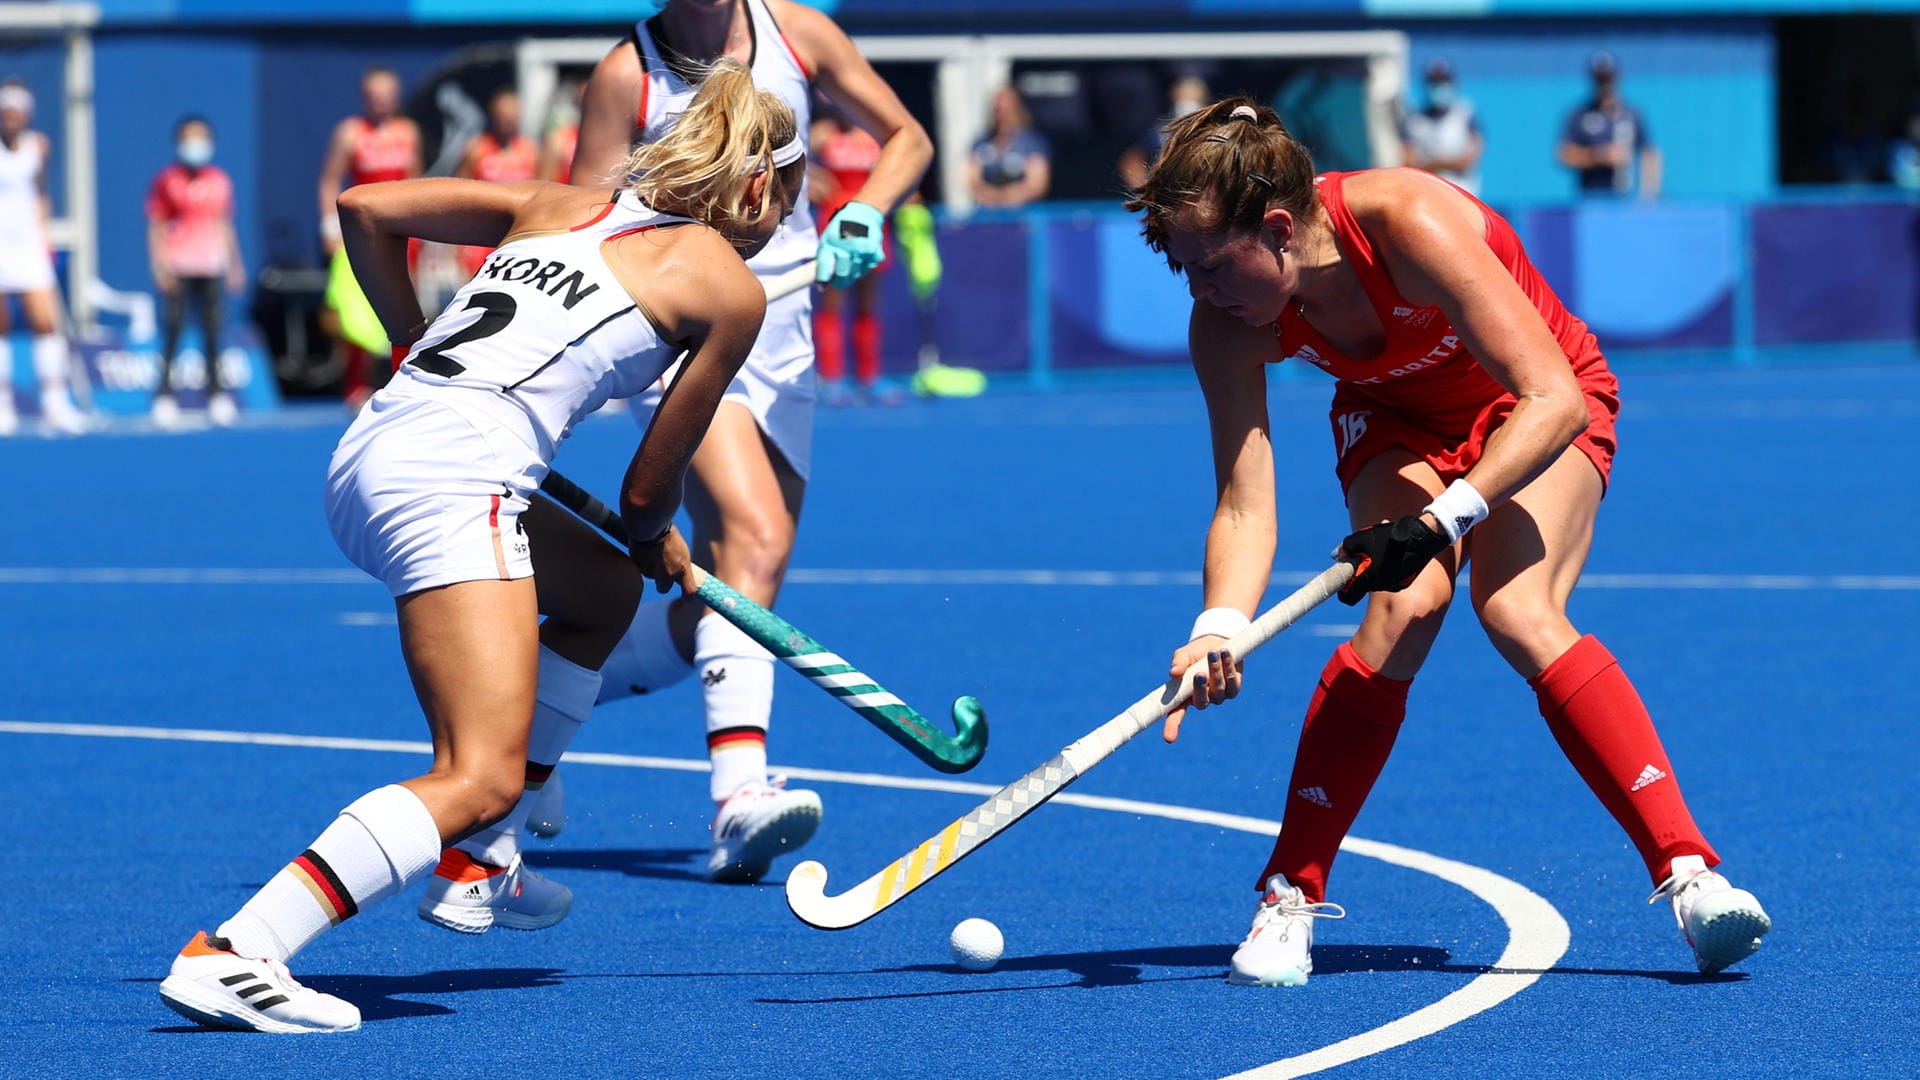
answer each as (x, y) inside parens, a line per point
(1444, 138)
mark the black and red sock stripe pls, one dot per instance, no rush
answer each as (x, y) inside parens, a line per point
(731, 738)
(538, 775)
(325, 885)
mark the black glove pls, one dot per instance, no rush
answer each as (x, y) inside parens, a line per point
(1387, 557)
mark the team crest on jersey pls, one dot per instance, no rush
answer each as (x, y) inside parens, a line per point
(1412, 316)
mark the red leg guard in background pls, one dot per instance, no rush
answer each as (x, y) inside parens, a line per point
(1351, 723)
(1601, 725)
(829, 344)
(353, 374)
(866, 348)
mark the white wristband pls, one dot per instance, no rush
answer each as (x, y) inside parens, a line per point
(1458, 509)
(1219, 622)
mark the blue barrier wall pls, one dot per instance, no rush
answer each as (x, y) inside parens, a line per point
(1688, 282)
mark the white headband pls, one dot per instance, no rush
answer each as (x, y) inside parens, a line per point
(16, 97)
(784, 156)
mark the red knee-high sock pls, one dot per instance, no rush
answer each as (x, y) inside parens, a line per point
(354, 375)
(1597, 718)
(866, 348)
(1349, 731)
(829, 345)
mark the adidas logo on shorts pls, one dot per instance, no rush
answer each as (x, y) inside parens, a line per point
(1315, 795)
(1648, 775)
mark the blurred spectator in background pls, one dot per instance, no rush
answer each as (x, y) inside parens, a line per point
(562, 137)
(1903, 160)
(500, 154)
(1011, 162)
(26, 265)
(196, 260)
(843, 159)
(1604, 136)
(1188, 92)
(376, 145)
(1444, 137)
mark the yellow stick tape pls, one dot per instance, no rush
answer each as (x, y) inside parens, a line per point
(947, 840)
(887, 878)
(916, 863)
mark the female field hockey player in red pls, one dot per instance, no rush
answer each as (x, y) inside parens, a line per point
(1472, 418)
(591, 295)
(750, 475)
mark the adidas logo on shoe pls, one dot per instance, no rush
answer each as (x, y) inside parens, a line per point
(1648, 775)
(1315, 795)
(473, 892)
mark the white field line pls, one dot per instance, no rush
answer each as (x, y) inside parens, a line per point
(1537, 936)
(1665, 582)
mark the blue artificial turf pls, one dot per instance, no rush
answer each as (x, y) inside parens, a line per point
(1788, 713)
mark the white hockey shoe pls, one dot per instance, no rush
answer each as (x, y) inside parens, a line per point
(1278, 950)
(548, 814)
(222, 411)
(212, 985)
(757, 823)
(472, 897)
(58, 416)
(1723, 924)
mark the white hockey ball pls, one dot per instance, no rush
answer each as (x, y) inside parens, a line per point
(976, 944)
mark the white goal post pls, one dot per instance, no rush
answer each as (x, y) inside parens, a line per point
(77, 231)
(969, 67)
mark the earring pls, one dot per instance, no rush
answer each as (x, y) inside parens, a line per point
(1283, 249)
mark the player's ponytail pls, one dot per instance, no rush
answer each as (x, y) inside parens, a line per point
(731, 131)
(1221, 169)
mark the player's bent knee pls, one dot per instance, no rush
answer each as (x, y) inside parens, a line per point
(1517, 622)
(1418, 605)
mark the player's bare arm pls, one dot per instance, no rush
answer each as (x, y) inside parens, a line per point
(1229, 357)
(845, 76)
(1436, 251)
(376, 221)
(607, 128)
(698, 292)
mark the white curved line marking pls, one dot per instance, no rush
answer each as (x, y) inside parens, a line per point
(1666, 582)
(1536, 934)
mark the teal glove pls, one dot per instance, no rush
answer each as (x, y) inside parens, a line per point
(851, 245)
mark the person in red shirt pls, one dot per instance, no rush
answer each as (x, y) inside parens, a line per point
(375, 145)
(196, 260)
(500, 154)
(843, 159)
(1473, 417)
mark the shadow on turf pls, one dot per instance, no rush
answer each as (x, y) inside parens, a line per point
(669, 864)
(380, 996)
(1123, 967)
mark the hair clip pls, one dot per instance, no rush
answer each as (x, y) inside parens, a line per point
(1244, 112)
(1261, 180)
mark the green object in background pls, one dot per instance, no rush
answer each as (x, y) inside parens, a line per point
(913, 230)
(358, 324)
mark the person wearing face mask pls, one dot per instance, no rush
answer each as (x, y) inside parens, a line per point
(196, 260)
(1189, 92)
(1444, 138)
(1606, 137)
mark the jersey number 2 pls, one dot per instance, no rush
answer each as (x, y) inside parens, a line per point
(497, 310)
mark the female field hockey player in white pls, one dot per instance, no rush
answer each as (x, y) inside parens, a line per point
(1467, 398)
(750, 473)
(591, 295)
(26, 266)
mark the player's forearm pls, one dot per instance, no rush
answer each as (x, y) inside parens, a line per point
(1239, 559)
(379, 259)
(904, 158)
(1538, 430)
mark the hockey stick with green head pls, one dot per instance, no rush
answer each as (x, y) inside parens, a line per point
(807, 885)
(954, 753)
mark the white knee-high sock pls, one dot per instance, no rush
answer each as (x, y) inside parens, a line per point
(736, 678)
(646, 658)
(50, 365)
(6, 377)
(381, 843)
(562, 702)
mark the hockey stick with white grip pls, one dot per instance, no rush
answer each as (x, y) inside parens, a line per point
(807, 884)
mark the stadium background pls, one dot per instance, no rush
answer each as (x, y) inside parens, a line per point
(1737, 261)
